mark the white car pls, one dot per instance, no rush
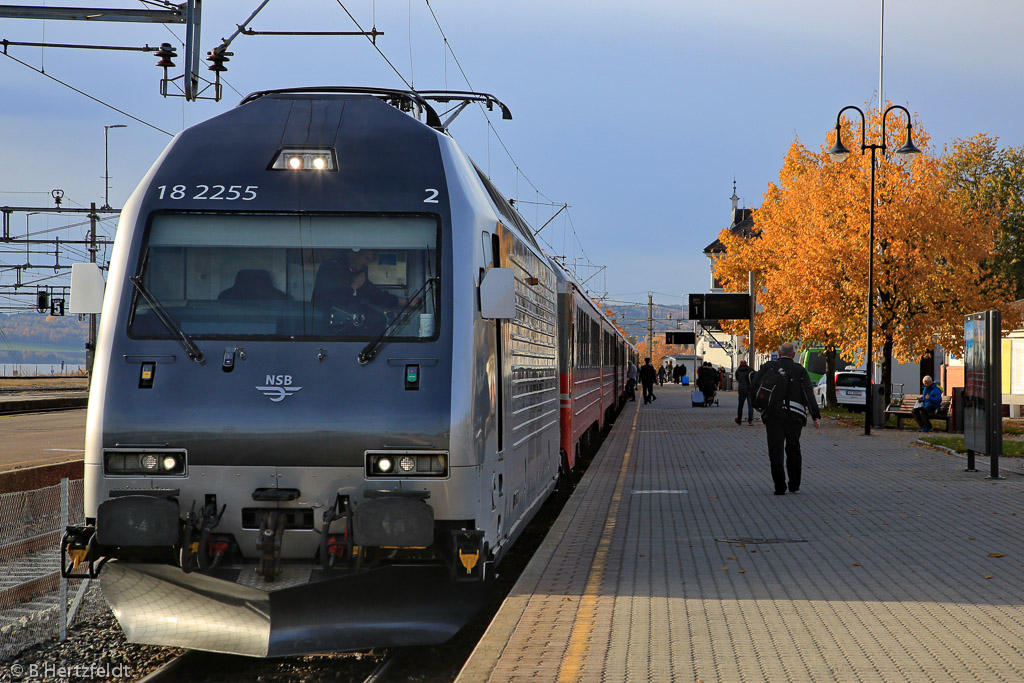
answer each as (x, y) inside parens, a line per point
(851, 388)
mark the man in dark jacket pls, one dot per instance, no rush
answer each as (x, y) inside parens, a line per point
(343, 294)
(743, 373)
(648, 375)
(785, 424)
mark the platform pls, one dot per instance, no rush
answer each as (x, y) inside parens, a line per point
(674, 561)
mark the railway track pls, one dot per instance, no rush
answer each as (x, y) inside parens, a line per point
(29, 568)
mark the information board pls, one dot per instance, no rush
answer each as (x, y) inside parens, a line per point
(719, 306)
(680, 337)
(983, 409)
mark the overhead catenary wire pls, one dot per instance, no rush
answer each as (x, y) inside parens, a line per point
(85, 94)
(490, 125)
(375, 46)
(491, 129)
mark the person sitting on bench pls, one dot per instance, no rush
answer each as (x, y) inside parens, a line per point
(928, 405)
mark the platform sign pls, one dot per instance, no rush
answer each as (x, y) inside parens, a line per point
(983, 409)
(680, 337)
(719, 306)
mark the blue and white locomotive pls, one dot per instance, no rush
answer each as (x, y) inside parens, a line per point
(325, 399)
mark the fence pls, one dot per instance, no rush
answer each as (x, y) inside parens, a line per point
(33, 597)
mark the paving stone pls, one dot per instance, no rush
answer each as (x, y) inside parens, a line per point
(880, 570)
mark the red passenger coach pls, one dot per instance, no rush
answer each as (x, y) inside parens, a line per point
(592, 357)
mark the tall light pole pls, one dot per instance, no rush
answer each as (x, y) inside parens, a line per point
(106, 164)
(839, 153)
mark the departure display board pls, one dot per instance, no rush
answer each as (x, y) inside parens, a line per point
(719, 307)
(680, 337)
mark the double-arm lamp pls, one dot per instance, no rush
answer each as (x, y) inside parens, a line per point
(838, 153)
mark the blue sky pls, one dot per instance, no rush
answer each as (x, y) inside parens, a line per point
(638, 115)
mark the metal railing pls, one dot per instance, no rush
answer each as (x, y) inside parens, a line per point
(31, 526)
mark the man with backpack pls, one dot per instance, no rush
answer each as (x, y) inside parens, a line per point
(783, 395)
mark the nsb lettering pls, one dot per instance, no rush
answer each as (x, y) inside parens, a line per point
(278, 387)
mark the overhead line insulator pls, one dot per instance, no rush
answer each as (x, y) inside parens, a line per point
(166, 53)
(217, 59)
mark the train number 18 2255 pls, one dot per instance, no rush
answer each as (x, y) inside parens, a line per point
(214, 192)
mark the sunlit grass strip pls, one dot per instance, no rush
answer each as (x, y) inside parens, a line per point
(1011, 448)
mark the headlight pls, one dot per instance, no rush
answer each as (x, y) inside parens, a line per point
(150, 463)
(304, 159)
(407, 464)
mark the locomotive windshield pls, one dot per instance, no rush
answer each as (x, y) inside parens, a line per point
(290, 277)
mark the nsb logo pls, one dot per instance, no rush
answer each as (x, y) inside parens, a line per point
(278, 387)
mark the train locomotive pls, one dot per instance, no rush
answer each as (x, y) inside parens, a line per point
(335, 377)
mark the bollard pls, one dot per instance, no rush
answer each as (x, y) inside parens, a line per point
(878, 404)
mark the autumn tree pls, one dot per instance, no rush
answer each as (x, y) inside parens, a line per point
(660, 350)
(991, 180)
(811, 256)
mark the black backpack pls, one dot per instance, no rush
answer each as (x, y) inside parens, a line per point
(771, 390)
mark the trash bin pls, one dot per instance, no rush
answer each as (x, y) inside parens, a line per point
(877, 405)
(958, 410)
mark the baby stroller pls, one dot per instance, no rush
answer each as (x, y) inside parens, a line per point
(707, 387)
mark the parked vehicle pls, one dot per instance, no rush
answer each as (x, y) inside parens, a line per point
(813, 359)
(851, 388)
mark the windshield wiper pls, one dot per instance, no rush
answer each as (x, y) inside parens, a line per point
(370, 351)
(190, 347)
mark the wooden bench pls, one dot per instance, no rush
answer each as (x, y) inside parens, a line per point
(905, 409)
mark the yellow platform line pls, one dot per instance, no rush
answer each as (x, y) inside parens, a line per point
(572, 664)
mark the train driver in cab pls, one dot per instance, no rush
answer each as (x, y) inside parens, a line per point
(342, 284)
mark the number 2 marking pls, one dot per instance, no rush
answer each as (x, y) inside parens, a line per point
(431, 196)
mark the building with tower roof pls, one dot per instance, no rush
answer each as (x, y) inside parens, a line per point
(717, 347)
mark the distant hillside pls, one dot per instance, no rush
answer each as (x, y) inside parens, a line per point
(633, 318)
(36, 338)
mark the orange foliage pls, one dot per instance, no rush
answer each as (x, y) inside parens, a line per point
(811, 260)
(661, 349)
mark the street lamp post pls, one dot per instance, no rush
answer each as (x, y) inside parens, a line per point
(106, 164)
(838, 153)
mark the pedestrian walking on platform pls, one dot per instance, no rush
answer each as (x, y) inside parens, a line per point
(632, 374)
(743, 373)
(661, 376)
(648, 375)
(784, 422)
